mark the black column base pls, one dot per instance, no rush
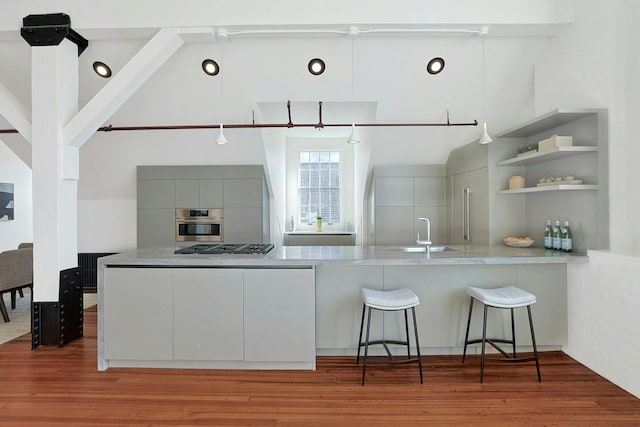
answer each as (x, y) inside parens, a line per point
(58, 323)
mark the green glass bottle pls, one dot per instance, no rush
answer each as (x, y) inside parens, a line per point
(556, 239)
(547, 235)
(567, 238)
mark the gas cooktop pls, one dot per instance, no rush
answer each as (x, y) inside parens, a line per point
(227, 248)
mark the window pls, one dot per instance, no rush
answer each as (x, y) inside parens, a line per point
(319, 186)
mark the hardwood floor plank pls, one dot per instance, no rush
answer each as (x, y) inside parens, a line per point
(62, 387)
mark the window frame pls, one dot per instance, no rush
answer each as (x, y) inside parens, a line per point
(311, 221)
(293, 147)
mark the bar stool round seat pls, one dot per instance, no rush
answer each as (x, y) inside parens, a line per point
(508, 297)
(395, 300)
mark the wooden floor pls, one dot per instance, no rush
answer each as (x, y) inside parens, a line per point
(61, 387)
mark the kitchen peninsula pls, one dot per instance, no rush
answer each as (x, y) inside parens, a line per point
(281, 309)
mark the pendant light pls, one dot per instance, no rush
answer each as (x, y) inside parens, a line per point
(485, 138)
(354, 138)
(221, 138)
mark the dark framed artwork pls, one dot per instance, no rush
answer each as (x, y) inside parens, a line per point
(6, 201)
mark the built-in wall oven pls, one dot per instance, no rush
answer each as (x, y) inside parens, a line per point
(199, 225)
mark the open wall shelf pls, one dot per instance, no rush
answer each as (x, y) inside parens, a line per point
(543, 156)
(558, 187)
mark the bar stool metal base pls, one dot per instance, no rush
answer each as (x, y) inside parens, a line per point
(392, 361)
(493, 341)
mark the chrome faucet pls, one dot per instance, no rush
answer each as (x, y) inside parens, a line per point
(428, 229)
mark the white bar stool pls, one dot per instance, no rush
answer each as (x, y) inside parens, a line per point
(399, 299)
(507, 297)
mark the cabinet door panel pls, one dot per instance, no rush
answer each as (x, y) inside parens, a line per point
(339, 302)
(208, 311)
(394, 191)
(187, 193)
(156, 228)
(156, 193)
(243, 225)
(429, 191)
(395, 226)
(142, 328)
(242, 193)
(211, 193)
(279, 307)
(477, 182)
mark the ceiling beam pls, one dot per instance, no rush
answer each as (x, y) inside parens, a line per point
(15, 113)
(124, 84)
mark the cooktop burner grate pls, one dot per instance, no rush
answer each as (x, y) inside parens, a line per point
(227, 248)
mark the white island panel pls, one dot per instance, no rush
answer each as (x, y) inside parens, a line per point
(339, 303)
(279, 306)
(139, 323)
(208, 311)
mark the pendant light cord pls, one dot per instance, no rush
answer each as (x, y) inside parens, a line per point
(353, 90)
(484, 94)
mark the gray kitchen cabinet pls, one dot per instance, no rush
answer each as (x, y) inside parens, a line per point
(394, 225)
(242, 193)
(211, 193)
(401, 194)
(187, 193)
(339, 302)
(208, 314)
(297, 240)
(428, 191)
(319, 239)
(240, 190)
(279, 308)
(142, 329)
(242, 225)
(437, 305)
(444, 305)
(394, 191)
(475, 219)
(156, 228)
(156, 193)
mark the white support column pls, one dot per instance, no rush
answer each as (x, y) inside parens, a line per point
(54, 102)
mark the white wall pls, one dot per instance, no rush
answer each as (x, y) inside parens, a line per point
(603, 298)
(595, 64)
(107, 186)
(13, 170)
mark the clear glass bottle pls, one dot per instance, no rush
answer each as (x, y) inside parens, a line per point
(567, 238)
(556, 239)
(548, 235)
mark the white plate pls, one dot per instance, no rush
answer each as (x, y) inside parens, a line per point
(518, 243)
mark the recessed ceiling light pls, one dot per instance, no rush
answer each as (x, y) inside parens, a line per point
(435, 65)
(102, 69)
(316, 66)
(210, 67)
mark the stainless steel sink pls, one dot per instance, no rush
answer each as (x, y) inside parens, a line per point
(432, 249)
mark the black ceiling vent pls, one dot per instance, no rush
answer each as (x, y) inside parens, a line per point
(50, 30)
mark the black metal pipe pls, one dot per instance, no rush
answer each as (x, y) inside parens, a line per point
(111, 128)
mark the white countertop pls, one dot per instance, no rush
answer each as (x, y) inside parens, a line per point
(369, 255)
(328, 232)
